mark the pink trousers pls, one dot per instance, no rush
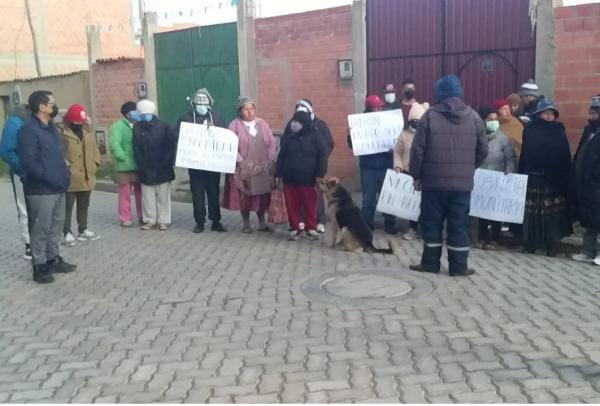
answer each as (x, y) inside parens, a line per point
(125, 200)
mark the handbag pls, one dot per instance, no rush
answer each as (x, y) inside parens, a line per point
(277, 210)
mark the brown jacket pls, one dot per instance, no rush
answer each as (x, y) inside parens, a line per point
(82, 158)
(405, 140)
(513, 129)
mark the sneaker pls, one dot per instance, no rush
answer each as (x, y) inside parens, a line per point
(218, 227)
(70, 240)
(58, 265)
(28, 255)
(126, 224)
(597, 260)
(88, 235)
(312, 235)
(148, 226)
(198, 228)
(301, 226)
(582, 258)
(410, 235)
(42, 274)
(294, 235)
(320, 228)
(163, 227)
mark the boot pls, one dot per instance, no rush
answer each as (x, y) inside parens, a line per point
(58, 265)
(218, 227)
(42, 274)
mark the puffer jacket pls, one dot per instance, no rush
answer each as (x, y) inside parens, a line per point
(501, 155)
(449, 145)
(154, 148)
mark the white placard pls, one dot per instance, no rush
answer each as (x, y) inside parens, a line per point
(372, 133)
(398, 196)
(499, 197)
(207, 148)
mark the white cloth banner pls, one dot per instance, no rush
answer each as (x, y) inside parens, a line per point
(372, 133)
(207, 148)
(398, 196)
(499, 197)
(495, 196)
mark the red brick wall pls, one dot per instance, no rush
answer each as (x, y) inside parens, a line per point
(297, 57)
(114, 84)
(577, 64)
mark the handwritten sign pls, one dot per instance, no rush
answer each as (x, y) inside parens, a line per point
(207, 148)
(398, 197)
(499, 197)
(372, 133)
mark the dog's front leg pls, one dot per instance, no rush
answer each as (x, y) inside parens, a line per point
(331, 234)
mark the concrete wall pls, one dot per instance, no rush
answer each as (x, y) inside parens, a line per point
(297, 57)
(577, 64)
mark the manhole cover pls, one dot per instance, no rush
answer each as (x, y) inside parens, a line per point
(357, 286)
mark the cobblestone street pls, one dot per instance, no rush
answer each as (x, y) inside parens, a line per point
(178, 317)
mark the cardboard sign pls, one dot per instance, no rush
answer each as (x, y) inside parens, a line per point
(398, 197)
(207, 148)
(499, 197)
(372, 133)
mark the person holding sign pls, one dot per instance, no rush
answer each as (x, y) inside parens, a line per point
(154, 147)
(249, 189)
(301, 163)
(449, 144)
(204, 185)
(501, 157)
(546, 159)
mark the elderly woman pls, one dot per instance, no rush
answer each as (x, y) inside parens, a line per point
(249, 189)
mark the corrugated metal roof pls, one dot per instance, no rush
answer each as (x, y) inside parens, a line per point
(118, 59)
(62, 75)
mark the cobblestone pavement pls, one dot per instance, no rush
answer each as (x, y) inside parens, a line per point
(178, 317)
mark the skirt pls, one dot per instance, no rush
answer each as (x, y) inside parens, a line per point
(234, 199)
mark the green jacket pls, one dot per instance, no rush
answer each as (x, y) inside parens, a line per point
(121, 146)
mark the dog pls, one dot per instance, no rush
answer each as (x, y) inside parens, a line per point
(347, 223)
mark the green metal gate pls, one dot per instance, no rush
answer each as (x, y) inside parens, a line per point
(194, 58)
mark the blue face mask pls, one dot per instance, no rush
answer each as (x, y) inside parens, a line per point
(134, 116)
(202, 109)
(147, 117)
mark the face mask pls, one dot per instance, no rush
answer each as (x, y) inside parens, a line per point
(296, 127)
(134, 116)
(54, 111)
(76, 127)
(409, 94)
(146, 117)
(492, 126)
(390, 97)
(202, 109)
(413, 124)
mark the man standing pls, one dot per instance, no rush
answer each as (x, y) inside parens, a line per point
(41, 151)
(390, 101)
(409, 92)
(204, 185)
(8, 152)
(449, 144)
(530, 94)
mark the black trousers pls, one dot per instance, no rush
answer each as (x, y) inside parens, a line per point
(204, 186)
(489, 230)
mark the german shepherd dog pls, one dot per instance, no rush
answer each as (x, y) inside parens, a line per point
(347, 224)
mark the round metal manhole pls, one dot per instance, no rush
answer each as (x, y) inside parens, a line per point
(366, 286)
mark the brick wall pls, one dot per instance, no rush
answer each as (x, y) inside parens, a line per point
(114, 84)
(297, 57)
(577, 41)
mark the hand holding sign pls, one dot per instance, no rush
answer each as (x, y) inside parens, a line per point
(372, 133)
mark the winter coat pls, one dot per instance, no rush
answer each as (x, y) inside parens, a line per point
(302, 157)
(82, 158)
(513, 129)
(154, 148)
(121, 146)
(41, 151)
(587, 179)
(322, 129)
(501, 155)
(546, 152)
(193, 117)
(238, 127)
(8, 145)
(449, 144)
(405, 140)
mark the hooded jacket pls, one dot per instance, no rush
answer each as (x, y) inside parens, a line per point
(501, 155)
(82, 158)
(154, 148)
(8, 145)
(449, 145)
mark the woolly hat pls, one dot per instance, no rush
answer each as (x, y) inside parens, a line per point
(243, 100)
(484, 112)
(146, 107)
(544, 104)
(417, 110)
(595, 103)
(206, 93)
(389, 88)
(75, 114)
(499, 103)
(529, 88)
(446, 87)
(374, 101)
(513, 99)
(305, 105)
(128, 107)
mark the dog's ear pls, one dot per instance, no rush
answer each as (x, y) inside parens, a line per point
(331, 182)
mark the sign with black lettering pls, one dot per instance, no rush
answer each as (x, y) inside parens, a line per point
(499, 197)
(207, 148)
(372, 133)
(398, 196)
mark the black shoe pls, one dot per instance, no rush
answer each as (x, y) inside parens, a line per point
(27, 255)
(390, 230)
(468, 272)
(42, 274)
(199, 228)
(218, 227)
(58, 265)
(419, 268)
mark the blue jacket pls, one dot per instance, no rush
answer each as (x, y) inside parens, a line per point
(41, 151)
(8, 146)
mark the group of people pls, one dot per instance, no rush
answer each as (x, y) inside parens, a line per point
(53, 166)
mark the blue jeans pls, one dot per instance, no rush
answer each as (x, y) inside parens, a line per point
(437, 206)
(371, 181)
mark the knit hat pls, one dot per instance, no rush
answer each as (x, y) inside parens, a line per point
(513, 99)
(529, 88)
(374, 101)
(146, 107)
(545, 104)
(484, 112)
(243, 100)
(205, 92)
(75, 114)
(128, 107)
(389, 88)
(499, 103)
(417, 110)
(595, 103)
(446, 87)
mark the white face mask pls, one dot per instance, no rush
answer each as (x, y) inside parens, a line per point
(202, 109)
(295, 126)
(390, 97)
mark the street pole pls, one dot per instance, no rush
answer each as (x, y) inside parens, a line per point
(36, 54)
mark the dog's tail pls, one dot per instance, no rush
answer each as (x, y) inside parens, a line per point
(389, 250)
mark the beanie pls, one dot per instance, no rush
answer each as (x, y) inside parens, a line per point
(446, 87)
(529, 88)
(75, 114)
(128, 107)
(514, 99)
(146, 107)
(499, 103)
(374, 101)
(243, 100)
(485, 111)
